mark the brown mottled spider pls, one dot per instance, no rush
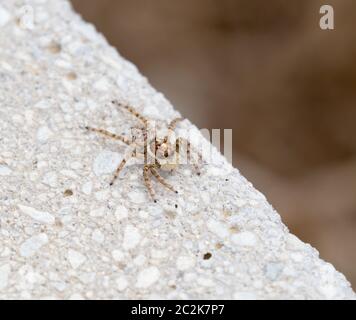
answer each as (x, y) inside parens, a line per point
(158, 153)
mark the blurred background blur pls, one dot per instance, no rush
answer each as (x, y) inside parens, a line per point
(285, 87)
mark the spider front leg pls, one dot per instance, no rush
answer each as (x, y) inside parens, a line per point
(146, 176)
(161, 180)
(132, 111)
(109, 134)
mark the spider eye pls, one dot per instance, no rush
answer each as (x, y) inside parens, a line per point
(166, 154)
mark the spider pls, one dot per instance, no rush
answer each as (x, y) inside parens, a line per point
(159, 153)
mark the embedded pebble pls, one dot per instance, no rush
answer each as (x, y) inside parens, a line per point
(33, 244)
(185, 263)
(121, 283)
(40, 216)
(329, 291)
(101, 85)
(4, 275)
(273, 270)
(76, 296)
(240, 202)
(87, 188)
(246, 238)
(140, 260)
(5, 170)
(218, 228)
(43, 134)
(137, 197)
(76, 259)
(132, 237)
(121, 213)
(98, 236)
(97, 212)
(147, 277)
(205, 282)
(118, 255)
(26, 17)
(4, 16)
(106, 162)
(294, 243)
(42, 104)
(50, 179)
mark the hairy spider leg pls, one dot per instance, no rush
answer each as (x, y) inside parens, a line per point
(109, 134)
(171, 128)
(190, 151)
(132, 111)
(126, 158)
(146, 177)
(161, 180)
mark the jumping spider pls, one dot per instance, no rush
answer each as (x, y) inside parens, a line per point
(157, 152)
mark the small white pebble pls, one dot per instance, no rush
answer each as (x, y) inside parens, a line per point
(214, 171)
(33, 244)
(4, 275)
(218, 228)
(87, 188)
(26, 17)
(98, 212)
(4, 16)
(329, 291)
(143, 214)
(132, 237)
(121, 213)
(147, 277)
(60, 285)
(273, 270)
(34, 277)
(205, 282)
(76, 165)
(152, 112)
(76, 296)
(294, 243)
(297, 257)
(40, 216)
(102, 85)
(240, 202)
(76, 259)
(69, 174)
(137, 197)
(5, 252)
(185, 263)
(158, 254)
(5, 170)
(106, 162)
(139, 260)
(98, 236)
(50, 179)
(205, 196)
(246, 238)
(103, 195)
(118, 255)
(121, 283)
(42, 104)
(43, 134)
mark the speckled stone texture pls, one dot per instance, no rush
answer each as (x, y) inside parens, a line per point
(65, 233)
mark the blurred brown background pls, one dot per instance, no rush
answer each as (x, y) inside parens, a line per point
(285, 87)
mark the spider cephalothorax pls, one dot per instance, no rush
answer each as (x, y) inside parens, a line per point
(163, 153)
